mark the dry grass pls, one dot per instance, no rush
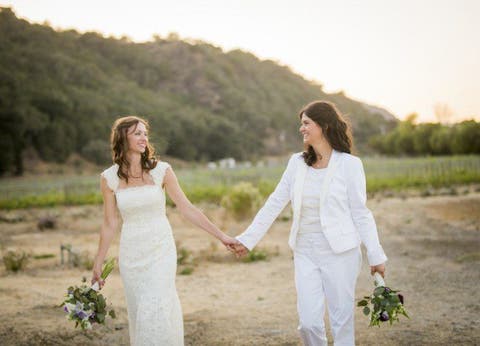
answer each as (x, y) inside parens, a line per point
(432, 244)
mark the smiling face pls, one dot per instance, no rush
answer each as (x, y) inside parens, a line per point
(137, 138)
(311, 131)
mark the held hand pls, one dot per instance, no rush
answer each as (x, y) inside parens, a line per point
(380, 268)
(229, 242)
(240, 250)
(96, 276)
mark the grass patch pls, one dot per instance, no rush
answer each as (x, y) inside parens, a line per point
(15, 261)
(43, 256)
(186, 271)
(469, 257)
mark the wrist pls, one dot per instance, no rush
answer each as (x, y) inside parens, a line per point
(221, 236)
(97, 262)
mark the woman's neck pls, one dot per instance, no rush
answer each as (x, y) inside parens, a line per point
(135, 161)
(324, 152)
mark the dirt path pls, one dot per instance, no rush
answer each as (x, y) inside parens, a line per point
(433, 245)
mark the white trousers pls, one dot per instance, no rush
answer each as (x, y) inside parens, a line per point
(325, 278)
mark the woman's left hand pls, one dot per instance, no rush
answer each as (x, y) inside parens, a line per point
(380, 268)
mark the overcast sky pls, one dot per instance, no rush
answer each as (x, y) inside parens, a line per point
(403, 55)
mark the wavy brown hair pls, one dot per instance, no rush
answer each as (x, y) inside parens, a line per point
(119, 146)
(334, 127)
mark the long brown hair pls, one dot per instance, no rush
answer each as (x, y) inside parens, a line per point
(119, 146)
(334, 127)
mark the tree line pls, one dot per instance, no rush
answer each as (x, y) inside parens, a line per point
(409, 138)
(60, 91)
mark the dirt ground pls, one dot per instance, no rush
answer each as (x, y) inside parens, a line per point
(433, 245)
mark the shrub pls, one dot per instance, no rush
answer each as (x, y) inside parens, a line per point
(97, 151)
(242, 200)
(256, 255)
(82, 260)
(47, 222)
(15, 260)
(186, 271)
(183, 255)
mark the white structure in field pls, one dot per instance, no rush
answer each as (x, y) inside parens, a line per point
(211, 165)
(228, 162)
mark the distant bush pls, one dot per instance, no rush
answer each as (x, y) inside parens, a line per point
(409, 138)
(242, 200)
(97, 151)
(15, 261)
(47, 222)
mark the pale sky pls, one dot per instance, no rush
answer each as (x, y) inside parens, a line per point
(402, 55)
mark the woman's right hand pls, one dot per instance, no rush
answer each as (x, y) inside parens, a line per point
(96, 275)
(240, 250)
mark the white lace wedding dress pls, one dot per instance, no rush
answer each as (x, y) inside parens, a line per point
(148, 261)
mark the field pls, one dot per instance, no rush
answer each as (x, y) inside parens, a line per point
(204, 185)
(432, 242)
(428, 215)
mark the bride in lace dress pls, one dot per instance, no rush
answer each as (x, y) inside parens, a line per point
(135, 185)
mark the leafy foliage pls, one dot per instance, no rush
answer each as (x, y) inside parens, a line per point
(242, 200)
(408, 138)
(15, 261)
(61, 91)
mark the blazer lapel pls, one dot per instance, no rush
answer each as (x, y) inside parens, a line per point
(332, 165)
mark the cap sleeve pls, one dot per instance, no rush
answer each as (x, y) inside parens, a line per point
(158, 173)
(111, 177)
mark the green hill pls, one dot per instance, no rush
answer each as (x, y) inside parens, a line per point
(61, 90)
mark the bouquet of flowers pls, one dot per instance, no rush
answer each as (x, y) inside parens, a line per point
(385, 304)
(85, 305)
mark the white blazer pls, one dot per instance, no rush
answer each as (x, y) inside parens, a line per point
(346, 221)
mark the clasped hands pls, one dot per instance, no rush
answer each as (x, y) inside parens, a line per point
(234, 246)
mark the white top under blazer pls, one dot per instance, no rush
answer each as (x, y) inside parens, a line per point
(310, 213)
(345, 219)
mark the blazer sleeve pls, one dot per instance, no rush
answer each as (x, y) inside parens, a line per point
(275, 203)
(361, 215)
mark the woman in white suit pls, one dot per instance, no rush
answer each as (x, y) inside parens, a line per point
(326, 186)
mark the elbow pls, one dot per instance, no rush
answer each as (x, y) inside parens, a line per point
(186, 208)
(363, 218)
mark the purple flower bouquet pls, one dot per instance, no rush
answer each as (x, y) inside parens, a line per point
(85, 305)
(385, 304)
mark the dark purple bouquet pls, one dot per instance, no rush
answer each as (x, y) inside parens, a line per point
(385, 304)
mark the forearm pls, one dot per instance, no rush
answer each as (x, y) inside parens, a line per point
(195, 216)
(263, 220)
(369, 235)
(362, 216)
(106, 235)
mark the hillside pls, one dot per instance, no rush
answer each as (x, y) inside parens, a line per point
(61, 90)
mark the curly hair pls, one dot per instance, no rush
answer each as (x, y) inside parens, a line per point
(119, 146)
(334, 127)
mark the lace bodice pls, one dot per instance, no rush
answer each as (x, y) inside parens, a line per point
(139, 202)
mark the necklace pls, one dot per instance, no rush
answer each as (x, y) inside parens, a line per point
(136, 177)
